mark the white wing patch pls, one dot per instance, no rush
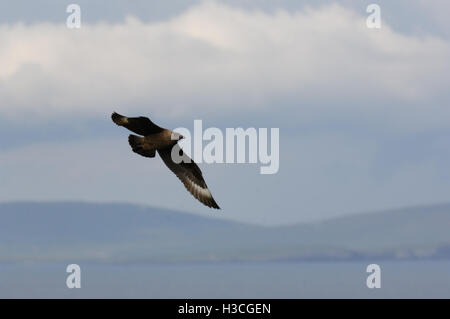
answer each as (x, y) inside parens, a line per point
(200, 191)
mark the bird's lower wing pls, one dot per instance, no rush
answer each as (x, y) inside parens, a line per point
(189, 174)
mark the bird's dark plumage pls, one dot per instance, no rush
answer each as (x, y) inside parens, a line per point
(138, 146)
(189, 174)
(139, 125)
(158, 139)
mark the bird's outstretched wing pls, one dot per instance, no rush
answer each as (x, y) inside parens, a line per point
(139, 125)
(189, 174)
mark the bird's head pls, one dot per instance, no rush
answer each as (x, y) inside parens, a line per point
(176, 136)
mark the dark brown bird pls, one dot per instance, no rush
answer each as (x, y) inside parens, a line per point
(164, 141)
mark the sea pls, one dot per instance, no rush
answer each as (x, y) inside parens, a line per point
(399, 279)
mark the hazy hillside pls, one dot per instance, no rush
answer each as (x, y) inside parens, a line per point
(74, 232)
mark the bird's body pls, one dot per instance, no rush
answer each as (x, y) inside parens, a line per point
(157, 139)
(148, 145)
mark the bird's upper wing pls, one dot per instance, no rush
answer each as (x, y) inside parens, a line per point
(189, 174)
(139, 125)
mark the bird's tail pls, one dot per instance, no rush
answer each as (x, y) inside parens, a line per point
(138, 145)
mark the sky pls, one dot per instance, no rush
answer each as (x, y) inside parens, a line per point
(363, 113)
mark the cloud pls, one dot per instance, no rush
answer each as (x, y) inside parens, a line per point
(219, 59)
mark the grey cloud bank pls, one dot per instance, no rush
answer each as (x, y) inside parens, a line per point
(321, 175)
(214, 54)
(429, 16)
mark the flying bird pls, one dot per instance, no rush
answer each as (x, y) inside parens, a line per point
(157, 139)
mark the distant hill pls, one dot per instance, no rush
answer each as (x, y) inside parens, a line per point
(119, 233)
